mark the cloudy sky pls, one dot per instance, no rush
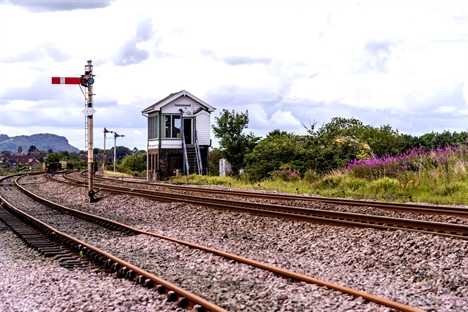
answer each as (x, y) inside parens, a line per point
(402, 63)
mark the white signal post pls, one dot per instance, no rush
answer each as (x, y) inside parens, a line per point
(86, 80)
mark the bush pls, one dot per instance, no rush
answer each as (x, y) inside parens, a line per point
(331, 180)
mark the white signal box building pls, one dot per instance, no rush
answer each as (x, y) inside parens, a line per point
(178, 135)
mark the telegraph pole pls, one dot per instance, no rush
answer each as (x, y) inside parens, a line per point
(86, 80)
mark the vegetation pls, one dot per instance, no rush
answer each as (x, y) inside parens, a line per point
(347, 158)
(235, 144)
(134, 164)
(437, 176)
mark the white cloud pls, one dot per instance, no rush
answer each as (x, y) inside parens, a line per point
(287, 62)
(446, 109)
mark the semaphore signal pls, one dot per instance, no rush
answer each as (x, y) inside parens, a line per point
(86, 80)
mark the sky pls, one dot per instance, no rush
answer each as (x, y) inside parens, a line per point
(288, 63)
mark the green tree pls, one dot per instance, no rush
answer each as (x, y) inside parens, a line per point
(122, 151)
(382, 141)
(341, 140)
(32, 148)
(134, 163)
(409, 142)
(20, 149)
(53, 157)
(333, 145)
(234, 143)
(278, 150)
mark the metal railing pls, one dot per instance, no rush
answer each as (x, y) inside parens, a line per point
(197, 152)
(186, 163)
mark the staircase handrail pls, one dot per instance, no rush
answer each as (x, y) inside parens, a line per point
(197, 149)
(184, 147)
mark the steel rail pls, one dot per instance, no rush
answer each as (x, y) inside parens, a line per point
(419, 208)
(293, 276)
(185, 298)
(300, 214)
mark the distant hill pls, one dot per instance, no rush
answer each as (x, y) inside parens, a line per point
(42, 141)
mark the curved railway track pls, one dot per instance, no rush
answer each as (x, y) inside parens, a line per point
(328, 217)
(36, 230)
(127, 270)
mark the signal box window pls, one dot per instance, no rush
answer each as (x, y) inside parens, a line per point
(172, 126)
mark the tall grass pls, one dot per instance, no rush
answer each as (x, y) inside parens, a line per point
(438, 176)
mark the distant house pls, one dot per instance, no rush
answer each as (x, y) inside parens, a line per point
(22, 158)
(178, 135)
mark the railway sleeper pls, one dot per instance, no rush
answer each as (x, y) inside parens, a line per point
(149, 283)
(42, 240)
(140, 279)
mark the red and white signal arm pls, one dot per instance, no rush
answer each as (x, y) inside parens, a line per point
(66, 80)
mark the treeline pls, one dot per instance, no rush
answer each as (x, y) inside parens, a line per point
(322, 149)
(128, 160)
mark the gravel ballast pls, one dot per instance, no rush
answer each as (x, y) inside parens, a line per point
(30, 282)
(425, 271)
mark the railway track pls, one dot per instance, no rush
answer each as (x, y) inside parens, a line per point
(52, 242)
(127, 230)
(291, 199)
(321, 216)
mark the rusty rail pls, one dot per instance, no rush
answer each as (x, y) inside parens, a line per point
(185, 299)
(405, 207)
(328, 217)
(282, 272)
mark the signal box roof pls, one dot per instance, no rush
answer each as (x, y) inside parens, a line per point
(172, 97)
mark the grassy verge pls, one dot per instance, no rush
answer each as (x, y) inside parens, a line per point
(108, 173)
(438, 176)
(342, 185)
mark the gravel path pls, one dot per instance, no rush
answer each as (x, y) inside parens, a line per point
(425, 271)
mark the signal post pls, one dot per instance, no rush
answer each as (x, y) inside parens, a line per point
(86, 80)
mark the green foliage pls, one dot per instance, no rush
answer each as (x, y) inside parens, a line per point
(122, 151)
(279, 150)
(383, 186)
(20, 149)
(234, 144)
(332, 180)
(72, 158)
(286, 173)
(134, 163)
(54, 157)
(451, 189)
(437, 176)
(311, 176)
(196, 179)
(32, 148)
